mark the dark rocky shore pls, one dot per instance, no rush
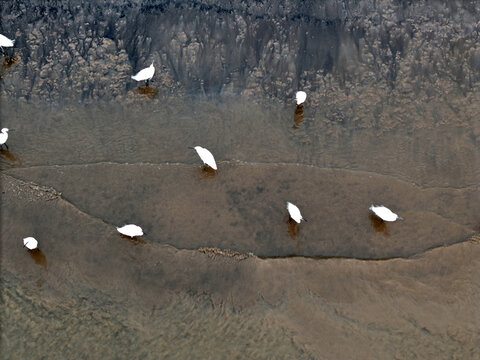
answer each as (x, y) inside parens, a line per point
(88, 50)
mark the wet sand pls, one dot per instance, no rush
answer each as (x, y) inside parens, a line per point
(242, 207)
(391, 118)
(249, 307)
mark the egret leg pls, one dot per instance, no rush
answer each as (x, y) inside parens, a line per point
(146, 82)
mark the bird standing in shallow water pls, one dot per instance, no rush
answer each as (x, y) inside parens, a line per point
(145, 74)
(206, 156)
(30, 243)
(4, 137)
(130, 230)
(300, 97)
(294, 213)
(385, 213)
(5, 42)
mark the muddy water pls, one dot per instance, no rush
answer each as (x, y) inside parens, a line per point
(391, 118)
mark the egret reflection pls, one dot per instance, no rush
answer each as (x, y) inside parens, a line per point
(9, 156)
(135, 240)
(147, 91)
(292, 228)
(298, 117)
(378, 224)
(8, 61)
(39, 257)
(206, 172)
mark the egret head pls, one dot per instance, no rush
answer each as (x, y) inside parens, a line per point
(4, 130)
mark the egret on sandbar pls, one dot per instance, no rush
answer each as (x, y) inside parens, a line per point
(385, 213)
(4, 137)
(5, 42)
(294, 212)
(300, 96)
(30, 243)
(145, 74)
(206, 156)
(130, 230)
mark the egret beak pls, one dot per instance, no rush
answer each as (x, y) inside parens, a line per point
(304, 219)
(191, 147)
(400, 218)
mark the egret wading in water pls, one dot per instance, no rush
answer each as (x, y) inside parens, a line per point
(206, 156)
(5, 42)
(30, 243)
(294, 213)
(145, 74)
(300, 97)
(385, 213)
(130, 230)
(4, 137)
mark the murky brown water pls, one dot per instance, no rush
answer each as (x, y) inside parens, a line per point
(221, 273)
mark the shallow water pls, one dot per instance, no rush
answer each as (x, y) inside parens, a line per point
(221, 272)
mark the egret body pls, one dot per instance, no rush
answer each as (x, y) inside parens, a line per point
(5, 42)
(385, 213)
(145, 74)
(4, 137)
(206, 157)
(130, 230)
(294, 212)
(300, 96)
(30, 243)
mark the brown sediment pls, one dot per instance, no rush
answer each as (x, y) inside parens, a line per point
(214, 252)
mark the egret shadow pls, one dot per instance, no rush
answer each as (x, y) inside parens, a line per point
(39, 257)
(7, 154)
(147, 91)
(8, 61)
(206, 172)
(136, 240)
(293, 227)
(298, 117)
(378, 224)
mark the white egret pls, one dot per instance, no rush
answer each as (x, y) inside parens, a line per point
(5, 42)
(4, 137)
(294, 212)
(30, 243)
(300, 96)
(145, 74)
(130, 230)
(385, 213)
(206, 156)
